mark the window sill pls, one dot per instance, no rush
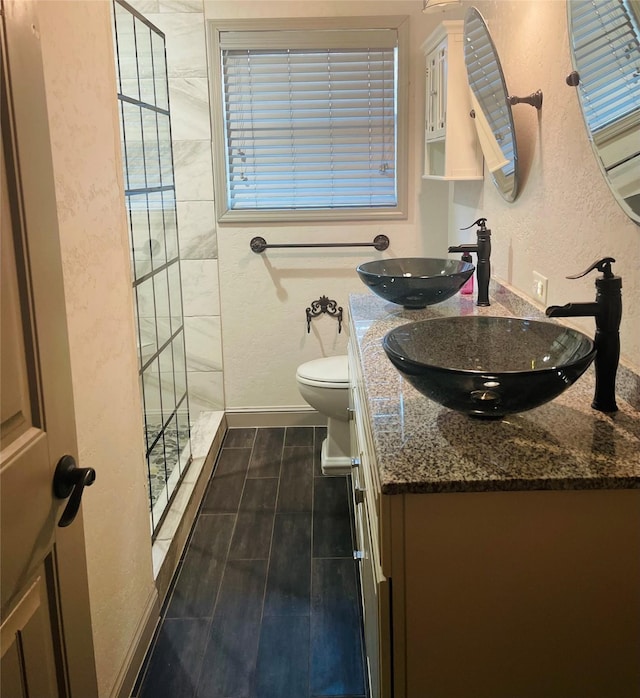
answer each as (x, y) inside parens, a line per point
(310, 216)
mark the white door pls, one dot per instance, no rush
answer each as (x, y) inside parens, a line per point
(43, 578)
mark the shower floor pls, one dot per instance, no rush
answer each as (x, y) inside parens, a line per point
(162, 462)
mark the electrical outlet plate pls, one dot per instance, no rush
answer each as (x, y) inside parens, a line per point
(539, 288)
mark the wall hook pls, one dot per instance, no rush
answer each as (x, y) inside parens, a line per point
(324, 305)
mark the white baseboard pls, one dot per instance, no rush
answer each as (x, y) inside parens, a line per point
(274, 417)
(139, 645)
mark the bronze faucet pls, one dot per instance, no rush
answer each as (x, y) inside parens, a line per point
(607, 311)
(483, 249)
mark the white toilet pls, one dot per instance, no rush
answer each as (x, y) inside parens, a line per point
(324, 384)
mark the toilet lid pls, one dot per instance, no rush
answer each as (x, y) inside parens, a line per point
(332, 371)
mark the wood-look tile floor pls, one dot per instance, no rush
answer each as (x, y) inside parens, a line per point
(265, 602)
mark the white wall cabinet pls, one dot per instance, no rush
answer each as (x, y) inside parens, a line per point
(451, 151)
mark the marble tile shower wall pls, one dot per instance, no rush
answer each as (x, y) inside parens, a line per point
(182, 22)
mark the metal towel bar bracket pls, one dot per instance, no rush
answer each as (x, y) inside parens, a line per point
(533, 100)
(380, 242)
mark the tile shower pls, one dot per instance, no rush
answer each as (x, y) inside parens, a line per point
(155, 259)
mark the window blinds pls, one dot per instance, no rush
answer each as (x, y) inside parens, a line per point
(607, 54)
(310, 127)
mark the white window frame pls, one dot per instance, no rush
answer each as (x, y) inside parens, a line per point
(227, 215)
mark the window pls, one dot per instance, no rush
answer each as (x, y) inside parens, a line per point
(310, 120)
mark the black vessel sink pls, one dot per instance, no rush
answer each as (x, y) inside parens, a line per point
(489, 366)
(415, 282)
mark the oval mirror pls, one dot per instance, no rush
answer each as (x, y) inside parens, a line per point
(490, 103)
(605, 50)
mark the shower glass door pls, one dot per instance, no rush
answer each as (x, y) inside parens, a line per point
(155, 260)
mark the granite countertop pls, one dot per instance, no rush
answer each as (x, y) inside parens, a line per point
(421, 446)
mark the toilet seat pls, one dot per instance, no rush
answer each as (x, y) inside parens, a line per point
(331, 372)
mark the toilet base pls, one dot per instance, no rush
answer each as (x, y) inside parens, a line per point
(336, 448)
(334, 465)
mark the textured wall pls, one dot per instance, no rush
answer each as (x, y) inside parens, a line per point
(77, 47)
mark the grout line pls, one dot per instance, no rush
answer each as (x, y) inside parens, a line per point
(311, 558)
(224, 571)
(266, 577)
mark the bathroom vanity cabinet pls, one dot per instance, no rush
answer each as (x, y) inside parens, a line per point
(451, 148)
(497, 559)
(366, 503)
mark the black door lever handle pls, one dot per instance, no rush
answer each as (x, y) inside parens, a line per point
(68, 479)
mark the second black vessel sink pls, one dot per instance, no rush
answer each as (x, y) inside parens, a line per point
(489, 366)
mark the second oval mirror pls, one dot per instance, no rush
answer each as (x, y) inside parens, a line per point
(605, 48)
(490, 102)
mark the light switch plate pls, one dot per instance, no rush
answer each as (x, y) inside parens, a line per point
(539, 288)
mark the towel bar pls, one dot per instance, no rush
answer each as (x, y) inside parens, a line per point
(258, 244)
